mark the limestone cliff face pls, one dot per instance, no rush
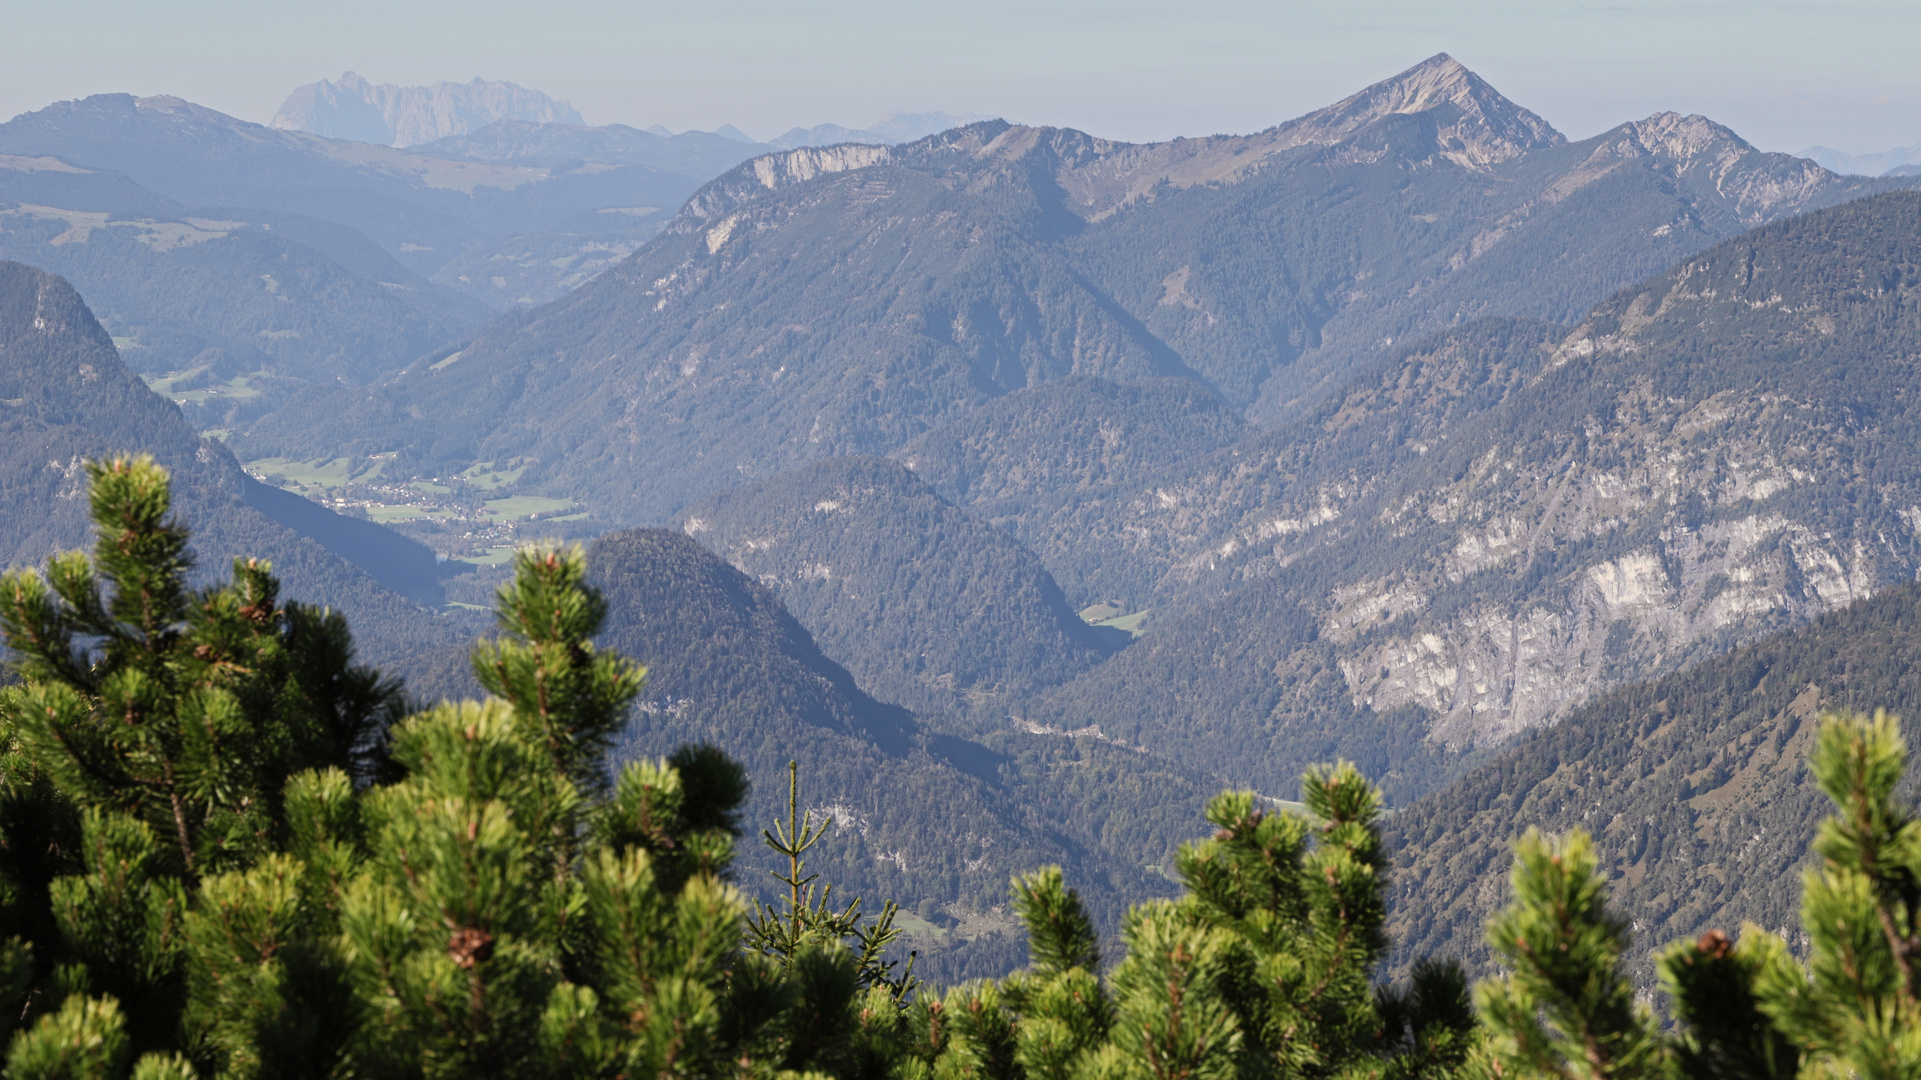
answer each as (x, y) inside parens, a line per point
(1498, 664)
(710, 206)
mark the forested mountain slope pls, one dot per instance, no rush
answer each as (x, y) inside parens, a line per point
(919, 814)
(925, 604)
(233, 292)
(1723, 451)
(1695, 788)
(1066, 435)
(65, 397)
(622, 390)
(843, 300)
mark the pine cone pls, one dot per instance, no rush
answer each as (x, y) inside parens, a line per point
(1715, 944)
(469, 946)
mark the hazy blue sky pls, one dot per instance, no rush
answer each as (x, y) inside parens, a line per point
(1785, 75)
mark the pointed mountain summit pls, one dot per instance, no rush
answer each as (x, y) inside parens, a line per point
(1475, 125)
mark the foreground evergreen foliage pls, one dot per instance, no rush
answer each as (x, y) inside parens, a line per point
(223, 856)
(224, 852)
(1746, 1008)
(1262, 969)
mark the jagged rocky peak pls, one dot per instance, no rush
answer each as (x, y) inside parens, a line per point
(1484, 129)
(1687, 141)
(353, 108)
(1681, 137)
(1762, 185)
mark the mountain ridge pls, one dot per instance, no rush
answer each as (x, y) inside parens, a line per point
(1270, 271)
(918, 810)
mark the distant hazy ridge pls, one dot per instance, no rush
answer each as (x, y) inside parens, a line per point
(353, 108)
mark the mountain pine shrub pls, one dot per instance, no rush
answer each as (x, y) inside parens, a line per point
(224, 851)
(1265, 968)
(1745, 1008)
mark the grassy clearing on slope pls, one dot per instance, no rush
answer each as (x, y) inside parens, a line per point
(318, 473)
(388, 514)
(498, 556)
(526, 506)
(484, 476)
(237, 388)
(1133, 624)
(1110, 616)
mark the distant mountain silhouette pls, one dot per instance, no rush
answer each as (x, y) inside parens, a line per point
(895, 128)
(353, 108)
(425, 207)
(1899, 161)
(232, 292)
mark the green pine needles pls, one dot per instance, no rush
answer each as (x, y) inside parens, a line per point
(226, 850)
(1264, 968)
(1746, 1008)
(810, 920)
